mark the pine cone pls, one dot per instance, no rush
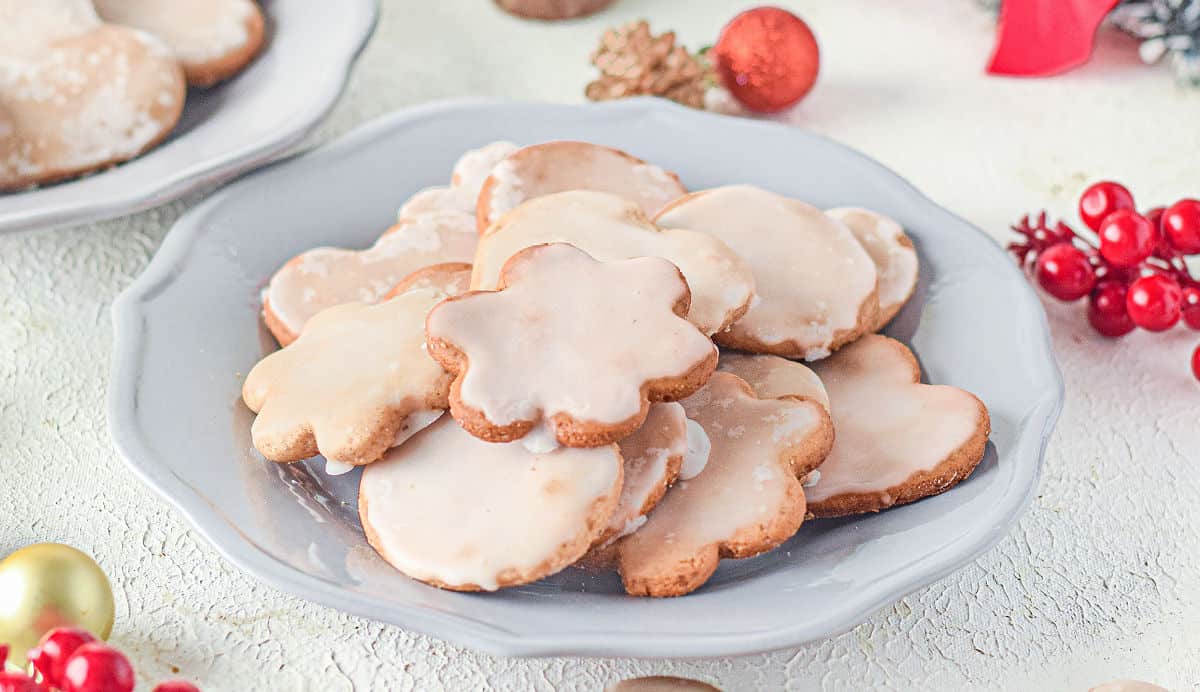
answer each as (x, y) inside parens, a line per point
(634, 62)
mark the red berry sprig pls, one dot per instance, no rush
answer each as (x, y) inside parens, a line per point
(68, 659)
(1133, 274)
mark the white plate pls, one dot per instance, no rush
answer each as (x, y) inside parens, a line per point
(189, 328)
(226, 130)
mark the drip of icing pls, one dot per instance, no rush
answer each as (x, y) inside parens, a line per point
(698, 449)
(541, 438)
(610, 228)
(811, 274)
(337, 468)
(527, 344)
(813, 478)
(544, 169)
(450, 508)
(414, 423)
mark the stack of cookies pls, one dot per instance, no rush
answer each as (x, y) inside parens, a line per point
(85, 85)
(565, 357)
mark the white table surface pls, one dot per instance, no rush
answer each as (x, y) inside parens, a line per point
(1101, 579)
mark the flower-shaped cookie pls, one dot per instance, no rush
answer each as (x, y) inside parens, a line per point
(815, 283)
(773, 377)
(213, 39)
(893, 253)
(471, 169)
(451, 278)
(897, 440)
(748, 499)
(609, 227)
(323, 277)
(77, 94)
(348, 387)
(460, 513)
(544, 169)
(570, 348)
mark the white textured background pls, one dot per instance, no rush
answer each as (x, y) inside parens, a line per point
(1101, 579)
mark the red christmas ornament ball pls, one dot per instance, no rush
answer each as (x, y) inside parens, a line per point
(1191, 307)
(1196, 362)
(768, 58)
(1101, 199)
(1181, 224)
(1107, 312)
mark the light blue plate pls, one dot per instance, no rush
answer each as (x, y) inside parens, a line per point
(189, 329)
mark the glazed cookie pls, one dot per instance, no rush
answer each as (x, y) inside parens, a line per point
(897, 440)
(570, 350)
(773, 377)
(357, 381)
(544, 169)
(76, 94)
(612, 228)
(471, 169)
(213, 39)
(323, 277)
(816, 285)
(451, 278)
(747, 500)
(460, 513)
(893, 253)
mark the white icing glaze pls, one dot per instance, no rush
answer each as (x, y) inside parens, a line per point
(198, 31)
(611, 228)
(888, 426)
(528, 344)
(471, 169)
(337, 468)
(813, 478)
(747, 483)
(772, 377)
(352, 363)
(78, 93)
(551, 167)
(541, 438)
(449, 508)
(890, 249)
(812, 275)
(324, 277)
(647, 454)
(698, 449)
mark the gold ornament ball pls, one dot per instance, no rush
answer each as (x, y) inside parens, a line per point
(50, 585)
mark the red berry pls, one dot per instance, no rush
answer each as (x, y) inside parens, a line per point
(1106, 310)
(1191, 307)
(97, 667)
(51, 654)
(1181, 224)
(13, 681)
(176, 686)
(1196, 362)
(1065, 272)
(1127, 238)
(1102, 199)
(1154, 216)
(1154, 302)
